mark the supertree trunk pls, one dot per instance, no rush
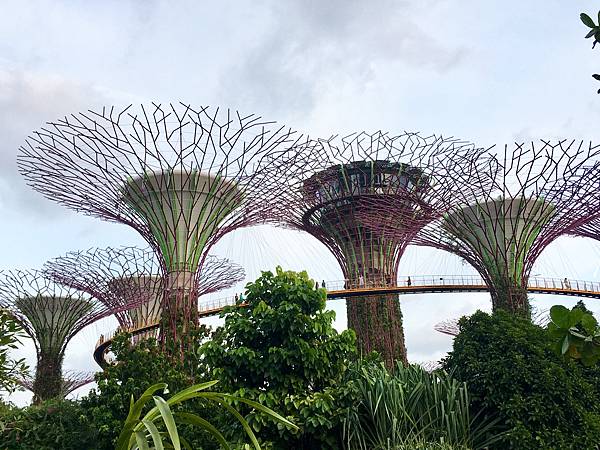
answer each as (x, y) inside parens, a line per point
(511, 298)
(179, 316)
(48, 382)
(377, 322)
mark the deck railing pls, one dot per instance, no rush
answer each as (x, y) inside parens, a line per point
(410, 284)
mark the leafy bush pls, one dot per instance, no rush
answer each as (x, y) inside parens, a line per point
(11, 333)
(52, 425)
(282, 351)
(511, 371)
(138, 430)
(411, 408)
(576, 333)
(137, 367)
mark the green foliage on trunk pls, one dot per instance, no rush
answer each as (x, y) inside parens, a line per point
(282, 351)
(512, 371)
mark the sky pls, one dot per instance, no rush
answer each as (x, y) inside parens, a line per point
(489, 72)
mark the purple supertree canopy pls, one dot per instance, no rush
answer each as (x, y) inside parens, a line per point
(133, 275)
(589, 229)
(71, 380)
(340, 191)
(449, 327)
(51, 315)
(541, 192)
(182, 177)
(335, 190)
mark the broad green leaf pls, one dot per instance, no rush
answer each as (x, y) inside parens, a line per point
(140, 439)
(560, 316)
(169, 421)
(183, 395)
(587, 20)
(263, 409)
(241, 420)
(565, 345)
(155, 434)
(193, 419)
(575, 316)
(136, 409)
(589, 323)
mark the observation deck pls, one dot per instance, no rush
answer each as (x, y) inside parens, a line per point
(342, 289)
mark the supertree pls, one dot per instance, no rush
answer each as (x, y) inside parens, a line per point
(132, 275)
(71, 380)
(449, 327)
(334, 189)
(182, 177)
(541, 192)
(51, 315)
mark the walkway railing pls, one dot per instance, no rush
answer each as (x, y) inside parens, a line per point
(339, 289)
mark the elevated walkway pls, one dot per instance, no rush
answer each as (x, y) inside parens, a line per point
(342, 289)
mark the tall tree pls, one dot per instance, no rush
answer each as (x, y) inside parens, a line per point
(281, 349)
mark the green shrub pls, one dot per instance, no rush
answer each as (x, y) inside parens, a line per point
(63, 425)
(282, 351)
(411, 408)
(512, 372)
(137, 367)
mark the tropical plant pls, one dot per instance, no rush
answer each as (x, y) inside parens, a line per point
(411, 408)
(282, 350)
(576, 333)
(55, 424)
(11, 369)
(138, 431)
(512, 372)
(137, 366)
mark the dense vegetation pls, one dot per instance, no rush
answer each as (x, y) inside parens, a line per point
(514, 373)
(505, 385)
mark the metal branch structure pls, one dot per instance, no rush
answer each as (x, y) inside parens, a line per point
(590, 229)
(542, 191)
(51, 315)
(449, 327)
(133, 275)
(338, 190)
(182, 177)
(71, 380)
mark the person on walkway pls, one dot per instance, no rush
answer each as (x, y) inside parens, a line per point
(323, 284)
(316, 285)
(567, 283)
(408, 282)
(361, 281)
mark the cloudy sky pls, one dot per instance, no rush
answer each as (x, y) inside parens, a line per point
(490, 72)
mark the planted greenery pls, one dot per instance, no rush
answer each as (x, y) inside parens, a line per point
(411, 408)
(159, 424)
(55, 424)
(512, 372)
(576, 333)
(136, 367)
(11, 369)
(282, 350)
